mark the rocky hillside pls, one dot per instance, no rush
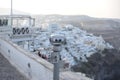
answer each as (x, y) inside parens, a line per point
(79, 44)
(102, 65)
(109, 29)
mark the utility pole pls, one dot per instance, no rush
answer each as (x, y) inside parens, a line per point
(11, 14)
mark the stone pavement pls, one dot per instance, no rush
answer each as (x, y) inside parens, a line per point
(8, 72)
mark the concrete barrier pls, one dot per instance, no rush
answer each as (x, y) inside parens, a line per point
(32, 66)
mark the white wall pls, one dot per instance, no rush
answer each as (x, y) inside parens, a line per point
(39, 68)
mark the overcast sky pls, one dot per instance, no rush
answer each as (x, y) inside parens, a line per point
(94, 8)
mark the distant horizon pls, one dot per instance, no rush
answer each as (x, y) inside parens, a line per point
(18, 12)
(94, 8)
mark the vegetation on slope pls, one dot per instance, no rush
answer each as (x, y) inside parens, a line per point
(103, 65)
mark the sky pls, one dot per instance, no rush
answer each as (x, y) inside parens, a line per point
(93, 8)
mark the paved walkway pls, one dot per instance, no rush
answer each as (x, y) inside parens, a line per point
(8, 72)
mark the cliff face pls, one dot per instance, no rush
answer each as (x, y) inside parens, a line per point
(102, 65)
(109, 67)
